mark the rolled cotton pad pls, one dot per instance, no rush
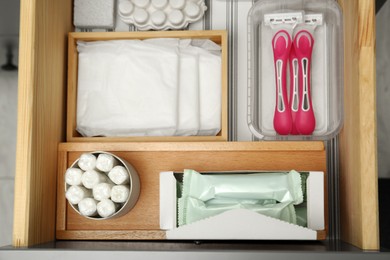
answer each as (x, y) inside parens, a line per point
(120, 193)
(119, 175)
(126, 8)
(73, 176)
(102, 191)
(105, 162)
(76, 193)
(159, 4)
(192, 10)
(177, 4)
(87, 207)
(92, 178)
(106, 208)
(87, 162)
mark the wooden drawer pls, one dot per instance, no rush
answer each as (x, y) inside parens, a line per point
(42, 115)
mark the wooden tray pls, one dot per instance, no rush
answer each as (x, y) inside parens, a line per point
(149, 159)
(217, 36)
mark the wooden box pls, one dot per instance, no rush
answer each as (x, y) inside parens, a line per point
(218, 37)
(149, 159)
(44, 29)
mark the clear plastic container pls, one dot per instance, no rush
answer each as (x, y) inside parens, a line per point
(326, 68)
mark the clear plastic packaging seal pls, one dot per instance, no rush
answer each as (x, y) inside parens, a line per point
(325, 78)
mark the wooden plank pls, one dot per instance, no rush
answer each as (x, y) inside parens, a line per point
(195, 146)
(151, 161)
(61, 209)
(112, 235)
(41, 109)
(358, 180)
(218, 36)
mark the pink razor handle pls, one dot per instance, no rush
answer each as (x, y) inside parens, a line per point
(281, 44)
(303, 45)
(294, 88)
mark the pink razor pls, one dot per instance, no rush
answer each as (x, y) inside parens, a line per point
(303, 45)
(281, 44)
(294, 91)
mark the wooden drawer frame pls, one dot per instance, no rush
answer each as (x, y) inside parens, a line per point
(41, 121)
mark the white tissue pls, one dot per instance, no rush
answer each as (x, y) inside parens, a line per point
(75, 194)
(127, 87)
(188, 103)
(119, 175)
(105, 162)
(102, 191)
(120, 193)
(210, 94)
(73, 176)
(88, 207)
(92, 178)
(87, 161)
(106, 208)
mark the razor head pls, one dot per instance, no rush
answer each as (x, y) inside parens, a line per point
(291, 18)
(313, 19)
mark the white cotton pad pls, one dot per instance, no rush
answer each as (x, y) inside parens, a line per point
(192, 10)
(188, 113)
(210, 91)
(73, 176)
(102, 191)
(87, 161)
(75, 194)
(105, 162)
(94, 14)
(88, 207)
(119, 175)
(120, 193)
(106, 208)
(176, 17)
(92, 178)
(127, 88)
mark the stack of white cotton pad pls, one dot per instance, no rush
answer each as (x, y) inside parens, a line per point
(161, 14)
(94, 14)
(98, 185)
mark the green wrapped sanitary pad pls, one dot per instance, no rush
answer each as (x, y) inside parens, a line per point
(270, 194)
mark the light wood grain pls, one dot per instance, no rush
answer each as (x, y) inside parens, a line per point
(358, 180)
(219, 37)
(41, 109)
(149, 162)
(112, 235)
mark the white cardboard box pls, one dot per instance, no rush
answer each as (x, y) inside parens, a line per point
(241, 223)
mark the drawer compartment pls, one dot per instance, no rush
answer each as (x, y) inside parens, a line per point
(149, 159)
